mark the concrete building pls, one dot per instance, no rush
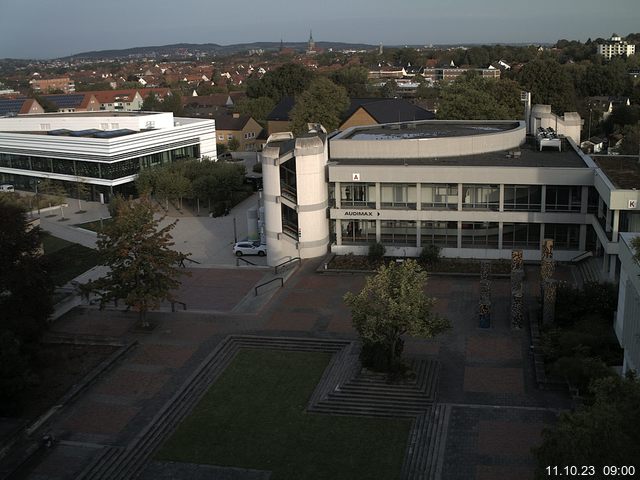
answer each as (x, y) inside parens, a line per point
(615, 46)
(627, 321)
(46, 85)
(105, 150)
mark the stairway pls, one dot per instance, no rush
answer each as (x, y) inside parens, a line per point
(590, 270)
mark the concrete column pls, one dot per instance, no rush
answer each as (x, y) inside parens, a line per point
(582, 240)
(501, 204)
(378, 201)
(600, 206)
(338, 194)
(584, 200)
(500, 231)
(541, 233)
(608, 221)
(543, 200)
(459, 234)
(418, 197)
(613, 259)
(338, 232)
(418, 239)
(616, 226)
(460, 196)
(378, 231)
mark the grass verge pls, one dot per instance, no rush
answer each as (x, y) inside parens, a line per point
(67, 260)
(254, 417)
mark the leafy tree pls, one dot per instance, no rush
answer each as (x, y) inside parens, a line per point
(406, 56)
(354, 79)
(257, 108)
(27, 288)
(233, 144)
(14, 372)
(289, 79)
(323, 102)
(389, 89)
(631, 141)
(143, 269)
(151, 103)
(474, 98)
(391, 304)
(172, 103)
(604, 432)
(549, 84)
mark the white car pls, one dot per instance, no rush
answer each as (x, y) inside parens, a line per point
(249, 248)
(7, 188)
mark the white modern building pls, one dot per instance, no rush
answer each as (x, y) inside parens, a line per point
(627, 321)
(615, 46)
(105, 150)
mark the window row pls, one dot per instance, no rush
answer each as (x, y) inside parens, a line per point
(109, 171)
(525, 198)
(472, 234)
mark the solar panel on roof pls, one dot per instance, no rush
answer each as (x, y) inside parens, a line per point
(60, 132)
(85, 133)
(65, 101)
(11, 106)
(114, 133)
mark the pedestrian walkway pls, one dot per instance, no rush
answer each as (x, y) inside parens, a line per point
(487, 415)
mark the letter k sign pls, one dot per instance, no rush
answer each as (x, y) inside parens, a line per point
(356, 177)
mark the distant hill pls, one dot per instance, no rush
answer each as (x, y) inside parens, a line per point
(210, 49)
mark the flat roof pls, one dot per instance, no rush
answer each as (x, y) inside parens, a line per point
(529, 157)
(101, 113)
(427, 129)
(622, 170)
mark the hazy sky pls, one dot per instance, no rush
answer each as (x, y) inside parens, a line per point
(54, 28)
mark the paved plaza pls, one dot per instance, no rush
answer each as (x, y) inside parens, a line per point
(495, 411)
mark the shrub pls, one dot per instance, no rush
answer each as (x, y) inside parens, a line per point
(580, 371)
(375, 356)
(430, 255)
(376, 252)
(574, 304)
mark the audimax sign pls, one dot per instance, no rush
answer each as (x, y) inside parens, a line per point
(361, 213)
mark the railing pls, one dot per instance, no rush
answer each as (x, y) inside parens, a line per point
(173, 305)
(189, 260)
(239, 259)
(582, 256)
(291, 260)
(267, 283)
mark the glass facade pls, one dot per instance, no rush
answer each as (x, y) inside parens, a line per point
(288, 181)
(398, 232)
(481, 197)
(480, 234)
(358, 232)
(442, 234)
(565, 237)
(522, 198)
(521, 235)
(290, 222)
(439, 196)
(563, 198)
(398, 195)
(360, 195)
(96, 169)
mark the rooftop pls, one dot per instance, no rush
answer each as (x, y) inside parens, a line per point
(436, 129)
(90, 114)
(623, 171)
(528, 156)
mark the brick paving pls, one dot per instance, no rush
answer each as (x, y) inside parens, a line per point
(480, 369)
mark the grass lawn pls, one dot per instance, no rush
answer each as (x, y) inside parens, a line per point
(67, 260)
(253, 417)
(96, 225)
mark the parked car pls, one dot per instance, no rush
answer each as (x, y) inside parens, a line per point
(7, 188)
(249, 248)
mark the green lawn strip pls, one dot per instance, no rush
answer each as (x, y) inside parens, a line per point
(253, 417)
(67, 260)
(96, 225)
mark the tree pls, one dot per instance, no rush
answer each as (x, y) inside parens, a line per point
(289, 80)
(323, 102)
(143, 269)
(549, 83)
(391, 304)
(257, 108)
(604, 432)
(354, 79)
(389, 89)
(472, 97)
(150, 103)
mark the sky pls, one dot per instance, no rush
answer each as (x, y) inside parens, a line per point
(56, 28)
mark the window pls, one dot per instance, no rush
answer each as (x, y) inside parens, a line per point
(290, 222)
(565, 237)
(398, 232)
(221, 137)
(523, 198)
(521, 235)
(229, 136)
(442, 234)
(398, 195)
(45, 126)
(288, 180)
(563, 198)
(481, 197)
(437, 196)
(361, 195)
(480, 235)
(358, 232)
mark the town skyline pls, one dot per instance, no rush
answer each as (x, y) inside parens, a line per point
(80, 27)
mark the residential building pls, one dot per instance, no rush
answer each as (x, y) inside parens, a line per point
(241, 128)
(375, 111)
(450, 73)
(74, 102)
(105, 150)
(46, 85)
(278, 119)
(615, 46)
(208, 106)
(19, 106)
